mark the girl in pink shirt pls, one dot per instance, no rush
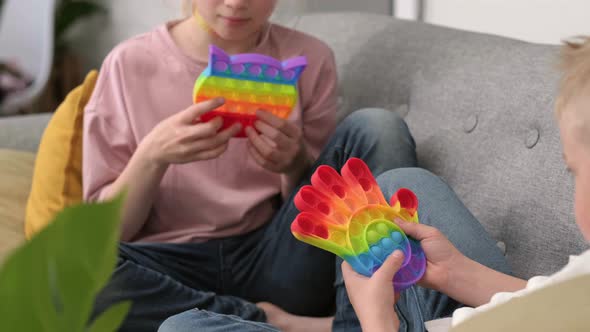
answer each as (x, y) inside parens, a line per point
(206, 223)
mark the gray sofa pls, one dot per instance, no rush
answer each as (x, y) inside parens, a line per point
(480, 108)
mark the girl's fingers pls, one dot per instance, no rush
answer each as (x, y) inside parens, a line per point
(260, 160)
(193, 112)
(203, 129)
(273, 134)
(262, 147)
(211, 143)
(284, 126)
(210, 154)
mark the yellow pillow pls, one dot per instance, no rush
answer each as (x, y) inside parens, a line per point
(57, 178)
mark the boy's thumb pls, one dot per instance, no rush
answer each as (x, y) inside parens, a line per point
(391, 265)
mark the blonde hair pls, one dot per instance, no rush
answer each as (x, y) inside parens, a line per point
(187, 7)
(575, 65)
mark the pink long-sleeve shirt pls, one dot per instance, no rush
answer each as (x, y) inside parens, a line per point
(147, 79)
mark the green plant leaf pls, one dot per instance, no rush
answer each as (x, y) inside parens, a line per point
(70, 12)
(50, 282)
(111, 319)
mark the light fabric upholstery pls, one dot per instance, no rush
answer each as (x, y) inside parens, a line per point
(480, 108)
(16, 170)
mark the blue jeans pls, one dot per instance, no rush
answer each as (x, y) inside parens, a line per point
(439, 207)
(219, 280)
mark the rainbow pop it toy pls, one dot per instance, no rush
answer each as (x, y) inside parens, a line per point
(248, 82)
(348, 216)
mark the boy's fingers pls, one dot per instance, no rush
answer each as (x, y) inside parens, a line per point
(390, 266)
(346, 268)
(193, 112)
(417, 231)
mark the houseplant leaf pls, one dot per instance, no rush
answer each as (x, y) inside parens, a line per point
(50, 282)
(111, 319)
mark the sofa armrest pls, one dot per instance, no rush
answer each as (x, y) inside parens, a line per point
(23, 132)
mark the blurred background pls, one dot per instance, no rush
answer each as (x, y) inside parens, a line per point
(72, 37)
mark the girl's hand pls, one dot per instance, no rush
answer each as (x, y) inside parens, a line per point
(182, 139)
(373, 299)
(442, 256)
(279, 146)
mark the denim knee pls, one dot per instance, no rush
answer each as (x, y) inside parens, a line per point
(186, 321)
(411, 177)
(378, 123)
(378, 136)
(201, 320)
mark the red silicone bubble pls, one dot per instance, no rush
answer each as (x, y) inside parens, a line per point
(310, 199)
(309, 224)
(359, 177)
(407, 200)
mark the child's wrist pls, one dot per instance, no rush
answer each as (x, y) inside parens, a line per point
(147, 158)
(459, 275)
(386, 322)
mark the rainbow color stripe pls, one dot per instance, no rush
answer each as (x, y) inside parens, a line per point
(348, 216)
(248, 82)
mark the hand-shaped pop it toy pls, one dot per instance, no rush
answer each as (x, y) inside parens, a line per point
(348, 216)
(248, 82)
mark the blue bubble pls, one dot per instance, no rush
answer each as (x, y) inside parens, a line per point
(388, 244)
(377, 251)
(397, 237)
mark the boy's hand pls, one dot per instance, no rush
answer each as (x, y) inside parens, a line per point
(279, 146)
(373, 299)
(441, 255)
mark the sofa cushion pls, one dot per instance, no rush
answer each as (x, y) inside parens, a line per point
(16, 168)
(57, 180)
(480, 108)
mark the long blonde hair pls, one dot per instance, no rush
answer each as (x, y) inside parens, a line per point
(187, 8)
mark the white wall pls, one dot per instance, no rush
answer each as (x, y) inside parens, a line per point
(542, 21)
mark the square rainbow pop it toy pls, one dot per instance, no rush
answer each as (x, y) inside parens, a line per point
(348, 216)
(248, 82)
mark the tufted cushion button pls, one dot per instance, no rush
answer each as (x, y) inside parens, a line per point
(532, 138)
(470, 123)
(502, 246)
(403, 110)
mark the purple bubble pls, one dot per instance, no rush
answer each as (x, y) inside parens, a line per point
(220, 66)
(288, 75)
(238, 69)
(255, 70)
(271, 72)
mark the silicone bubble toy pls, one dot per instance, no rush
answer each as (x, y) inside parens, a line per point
(248, 82)
(348, 216)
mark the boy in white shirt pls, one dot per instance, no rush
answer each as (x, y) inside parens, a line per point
(461, 278)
